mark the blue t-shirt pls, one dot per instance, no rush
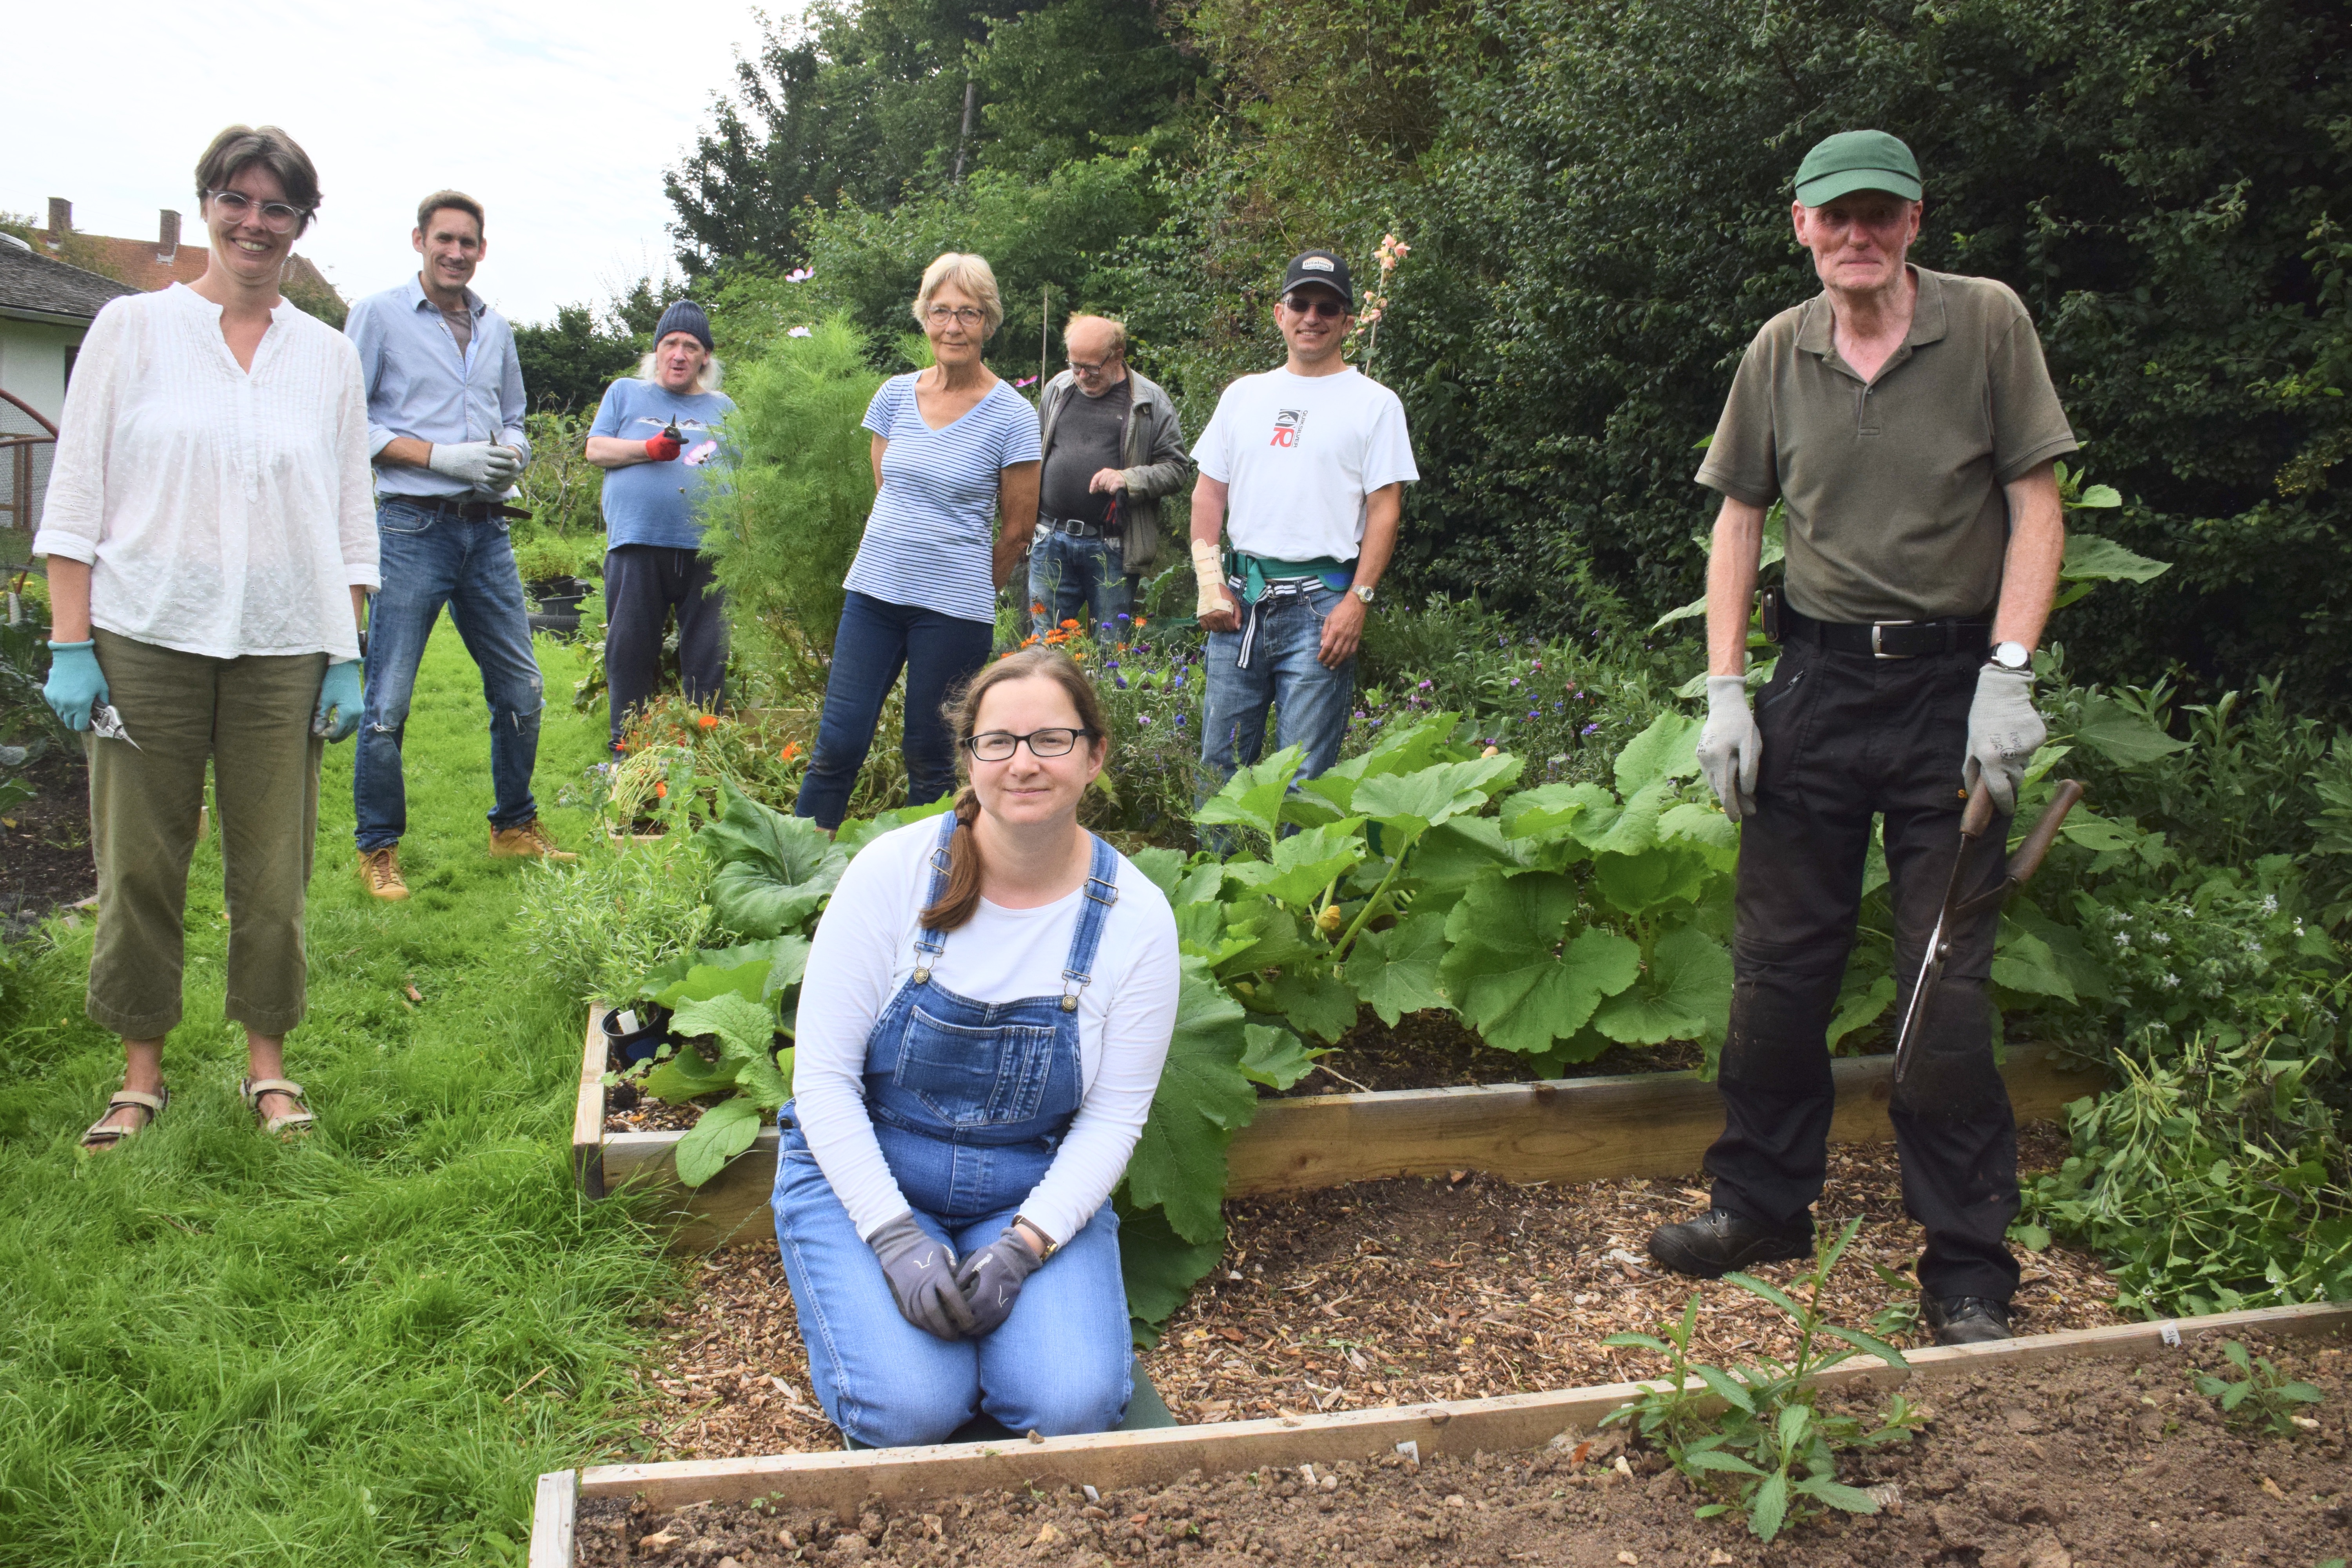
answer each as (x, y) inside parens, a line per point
(653, 503)
(929, 542)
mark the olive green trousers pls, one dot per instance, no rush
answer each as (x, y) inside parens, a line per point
(250, 717)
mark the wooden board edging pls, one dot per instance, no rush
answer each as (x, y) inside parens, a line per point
(553, 1516)
(841, 1481)
(1560, 1130)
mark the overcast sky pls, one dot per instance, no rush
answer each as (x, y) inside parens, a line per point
(559, 119)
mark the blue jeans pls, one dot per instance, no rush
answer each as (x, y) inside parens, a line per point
(1078, 579)
(877, 641)
(1310, 702)
(431, 558)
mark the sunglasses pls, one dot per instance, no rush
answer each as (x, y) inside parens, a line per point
(1318, 305)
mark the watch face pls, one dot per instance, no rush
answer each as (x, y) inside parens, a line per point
(2009, 656)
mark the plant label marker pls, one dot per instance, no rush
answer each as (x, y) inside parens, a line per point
(1411, 1452)
(2170, 1334)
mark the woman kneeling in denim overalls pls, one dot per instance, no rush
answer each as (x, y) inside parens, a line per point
(987, 1008)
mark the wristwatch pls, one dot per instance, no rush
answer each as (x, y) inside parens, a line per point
(1033, 1228)
(1362, 591)
(2011, 656)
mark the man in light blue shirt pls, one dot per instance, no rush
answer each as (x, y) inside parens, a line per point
(444, 424)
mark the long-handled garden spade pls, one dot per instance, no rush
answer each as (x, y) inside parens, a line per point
(1974, 820)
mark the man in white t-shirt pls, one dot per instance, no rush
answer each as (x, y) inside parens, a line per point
(1306, 468)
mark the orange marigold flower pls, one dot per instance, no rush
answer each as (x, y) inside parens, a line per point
(660, 791)
(1073, 624)
(708, 721)
(792, 749)
(1036, 609)
(1140, 623)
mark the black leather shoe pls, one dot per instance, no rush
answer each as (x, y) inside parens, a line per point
(1965, 1320)
(1714, 1246)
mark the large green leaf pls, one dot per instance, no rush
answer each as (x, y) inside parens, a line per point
(1548, 811)
(1164, 867)
(1201, 884)
(1180, 1161)
(685, 1076)
(859, 831)
(1453, 856)
(2022, 962)
(1274, 1057)
(1502, 974)
(1611, 828)
(1159, 1266)
(1395, 971)
(742, 1027)
(1274, 942)
(1859, 1009)
(2122, 736)
(2091, 558)
(1400, 751)
(1685, 995)
(1316, 1004)
(1668, 748)
(1201, 931)
(774, 871)
(725, 1130)
(1411, 804)
(1638, 884)
(1252, 796)
(1304, 864)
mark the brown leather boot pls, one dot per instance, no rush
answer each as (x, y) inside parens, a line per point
(528, 842)
(380, 869)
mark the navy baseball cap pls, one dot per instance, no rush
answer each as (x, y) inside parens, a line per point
(1320, 267)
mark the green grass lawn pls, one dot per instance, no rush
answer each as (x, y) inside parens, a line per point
(362, 1348)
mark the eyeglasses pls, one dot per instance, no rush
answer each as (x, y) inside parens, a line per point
(276, 216)
(962, 315)
(1321, 305)
(998, 745)
(1096, 368)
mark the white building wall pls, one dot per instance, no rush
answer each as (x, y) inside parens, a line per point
(33, 363)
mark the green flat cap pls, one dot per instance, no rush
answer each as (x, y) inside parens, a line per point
(1857, 161)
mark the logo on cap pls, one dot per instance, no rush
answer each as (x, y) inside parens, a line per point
(1315, 264)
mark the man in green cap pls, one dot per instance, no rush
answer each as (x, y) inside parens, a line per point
(1906, 423)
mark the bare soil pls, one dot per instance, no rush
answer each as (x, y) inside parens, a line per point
(2071, 1465)
(1381, 1293)
(45, 853)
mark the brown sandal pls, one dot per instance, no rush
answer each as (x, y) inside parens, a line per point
(251, 1090)
(102, 1134)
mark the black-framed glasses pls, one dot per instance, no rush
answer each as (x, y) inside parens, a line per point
(1096, 368)
(277, 217)
(962, 315)
(1317, 305)
(998, 745)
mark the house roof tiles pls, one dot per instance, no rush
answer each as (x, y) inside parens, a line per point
(30, 282)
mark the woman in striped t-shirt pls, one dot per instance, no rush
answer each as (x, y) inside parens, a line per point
(950, 445)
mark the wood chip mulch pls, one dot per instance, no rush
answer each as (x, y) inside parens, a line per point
(1384, 1293)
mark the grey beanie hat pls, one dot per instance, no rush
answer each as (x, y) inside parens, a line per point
(684, 316)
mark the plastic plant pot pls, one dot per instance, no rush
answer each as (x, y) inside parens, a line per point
(632, 1034)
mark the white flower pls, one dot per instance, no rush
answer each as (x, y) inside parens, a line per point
(2171, 981)
(798, 332)
(2270, 903)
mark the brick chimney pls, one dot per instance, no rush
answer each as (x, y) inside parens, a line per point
(167, 240)
(60, 219)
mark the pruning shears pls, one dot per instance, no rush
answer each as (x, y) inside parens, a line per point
(104, 721)
(1974, 820)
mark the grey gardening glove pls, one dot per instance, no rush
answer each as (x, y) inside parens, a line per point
(921, 1272)
(481, 465)
(991, 1279)
(1730, 747)
(2004, 732)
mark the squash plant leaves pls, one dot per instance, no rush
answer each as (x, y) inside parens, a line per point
(774, 871)
(1178, 1164)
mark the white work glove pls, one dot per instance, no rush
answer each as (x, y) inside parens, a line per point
(2004, 732)
(1209, 575)
(1730, 747)
(480, 465)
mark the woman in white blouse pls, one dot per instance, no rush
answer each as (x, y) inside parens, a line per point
(210, 535)
(987, 1009)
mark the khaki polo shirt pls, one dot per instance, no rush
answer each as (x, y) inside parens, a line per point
(1894, 508)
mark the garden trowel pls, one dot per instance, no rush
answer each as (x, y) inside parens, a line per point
(1974, 820)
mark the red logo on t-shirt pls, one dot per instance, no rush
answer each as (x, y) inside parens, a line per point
(1287, 424)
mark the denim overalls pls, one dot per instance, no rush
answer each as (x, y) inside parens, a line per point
(969, 1101)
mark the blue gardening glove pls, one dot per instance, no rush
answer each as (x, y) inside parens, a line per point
(921, 1272)
(339, 695)
(76, 683)
(991, 1277)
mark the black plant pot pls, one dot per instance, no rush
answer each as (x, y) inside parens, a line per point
(625, 1049)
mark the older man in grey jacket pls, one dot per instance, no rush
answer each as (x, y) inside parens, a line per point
(1113, 448)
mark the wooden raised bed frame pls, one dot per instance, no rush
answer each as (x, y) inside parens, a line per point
(842, 1481)
(1564, 1130)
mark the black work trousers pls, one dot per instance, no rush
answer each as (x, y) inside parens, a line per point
(1847, 736)
(642, 584)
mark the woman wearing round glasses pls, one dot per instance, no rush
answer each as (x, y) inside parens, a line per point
(988, 1005)
(211, 531)
(952, 444)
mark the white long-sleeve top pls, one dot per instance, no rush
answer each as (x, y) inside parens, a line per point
(864, 950)
(223, 511)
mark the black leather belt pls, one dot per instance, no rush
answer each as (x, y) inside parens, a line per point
(1077, 527)
(451, 506)
(1888, 639)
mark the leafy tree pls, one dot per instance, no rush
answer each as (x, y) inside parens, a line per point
(569, 361)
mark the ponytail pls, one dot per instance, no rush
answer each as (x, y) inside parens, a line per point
(960, 897)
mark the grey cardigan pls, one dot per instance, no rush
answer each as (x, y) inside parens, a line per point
(1152, 448)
